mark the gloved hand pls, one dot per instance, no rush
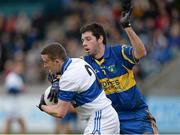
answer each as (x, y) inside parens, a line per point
(126, 13)
(52, 78)
(53, 95)
(42, 102)
(126, 4)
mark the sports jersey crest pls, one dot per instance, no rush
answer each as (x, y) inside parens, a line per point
(112, 68)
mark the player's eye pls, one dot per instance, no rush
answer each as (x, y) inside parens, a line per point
(88, 38)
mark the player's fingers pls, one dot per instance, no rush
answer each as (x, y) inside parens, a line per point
(49, 95)
(56, 98)
(130, 12)
(52, 96)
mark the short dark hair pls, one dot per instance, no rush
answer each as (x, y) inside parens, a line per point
(54, 50)
(96, 29)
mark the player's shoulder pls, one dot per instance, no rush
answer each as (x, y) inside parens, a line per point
(76, 72)
(78, 62)
(115, 46)
(118, 48)
(77, 65)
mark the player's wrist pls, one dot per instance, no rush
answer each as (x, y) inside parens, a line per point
(126, 25)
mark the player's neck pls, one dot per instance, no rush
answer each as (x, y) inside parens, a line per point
(100, 53)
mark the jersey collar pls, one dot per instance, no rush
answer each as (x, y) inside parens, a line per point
(107, 52)
(65, 65)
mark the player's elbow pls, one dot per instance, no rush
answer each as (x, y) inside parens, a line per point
(144, 53)
(139, 54)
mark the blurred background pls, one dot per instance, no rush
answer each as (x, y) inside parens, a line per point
(26, 25)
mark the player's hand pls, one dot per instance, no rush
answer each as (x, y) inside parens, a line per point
(126, 5)
(53, 94)
(52, 78)
(126, 13)
(42, 102)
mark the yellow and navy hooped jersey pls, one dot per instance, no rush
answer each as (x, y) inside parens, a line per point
(115, 74)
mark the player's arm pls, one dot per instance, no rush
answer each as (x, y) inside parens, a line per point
(58, 110)
(139, 49)
(72, 109)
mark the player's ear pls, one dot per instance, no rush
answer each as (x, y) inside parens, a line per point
(100, 40)
(57, 61)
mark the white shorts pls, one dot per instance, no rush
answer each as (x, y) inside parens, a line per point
(103, 121)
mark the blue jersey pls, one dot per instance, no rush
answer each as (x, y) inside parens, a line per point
(115, 73)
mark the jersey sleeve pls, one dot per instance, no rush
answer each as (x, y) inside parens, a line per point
(126, 54)
(68, 89)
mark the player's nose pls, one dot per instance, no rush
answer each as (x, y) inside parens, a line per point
(84, 44)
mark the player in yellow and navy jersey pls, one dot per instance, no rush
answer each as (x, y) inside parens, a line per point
(113, 66)
(115, 73)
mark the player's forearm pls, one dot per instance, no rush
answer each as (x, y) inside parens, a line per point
(138, 46)
(53, 110)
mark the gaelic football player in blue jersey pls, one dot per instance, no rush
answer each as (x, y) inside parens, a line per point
(114, 68)
(78, 85)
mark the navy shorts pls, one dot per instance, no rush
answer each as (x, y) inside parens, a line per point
(142, 123)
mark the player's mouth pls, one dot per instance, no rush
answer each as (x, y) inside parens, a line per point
(86, 50)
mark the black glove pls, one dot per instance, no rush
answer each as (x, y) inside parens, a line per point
(126, 13)
(126, 5)
(53, 94)
(54, 79)
(42, 102)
